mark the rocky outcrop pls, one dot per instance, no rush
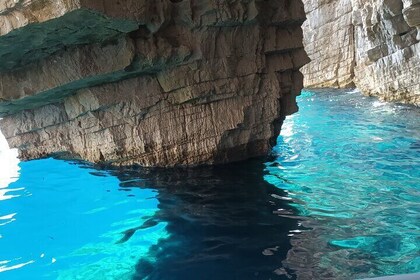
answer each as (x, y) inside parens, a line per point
(149, 82)
(368, 44)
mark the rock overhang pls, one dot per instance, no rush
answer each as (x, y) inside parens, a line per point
(119, 64)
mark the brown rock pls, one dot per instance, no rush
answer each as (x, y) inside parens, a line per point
(196, 82)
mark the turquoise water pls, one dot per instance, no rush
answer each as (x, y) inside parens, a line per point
(337, 199)
(351, 167)
(61, 220)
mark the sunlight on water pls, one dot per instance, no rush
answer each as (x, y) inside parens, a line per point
(351, 167)
(9, 166)
(62, 220)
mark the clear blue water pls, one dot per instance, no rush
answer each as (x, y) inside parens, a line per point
(351, 169)
(338, 199)
(62, 221)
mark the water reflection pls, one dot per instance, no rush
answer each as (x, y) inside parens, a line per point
(222, 224)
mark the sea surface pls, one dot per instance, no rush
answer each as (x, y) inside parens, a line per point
(338, 198)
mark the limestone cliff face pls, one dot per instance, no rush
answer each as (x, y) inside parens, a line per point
(371, 44)
(329, 42)
(149, 82)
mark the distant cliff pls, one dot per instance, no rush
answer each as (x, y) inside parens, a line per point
(149, 82)
(372, 44)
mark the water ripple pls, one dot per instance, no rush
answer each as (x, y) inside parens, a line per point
(352, 168)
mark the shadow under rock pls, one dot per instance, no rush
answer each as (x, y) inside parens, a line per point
(220, 222)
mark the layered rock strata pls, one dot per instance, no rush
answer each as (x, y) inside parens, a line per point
(155, 83)
(373, 45)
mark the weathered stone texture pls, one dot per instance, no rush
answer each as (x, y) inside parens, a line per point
(196, 82)
(328, 40)
(369, 44)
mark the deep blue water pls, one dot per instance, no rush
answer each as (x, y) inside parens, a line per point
(337, 199)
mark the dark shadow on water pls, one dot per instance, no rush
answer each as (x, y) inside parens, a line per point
(220, 222)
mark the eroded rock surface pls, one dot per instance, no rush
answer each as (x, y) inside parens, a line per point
(369, 44)
(149, 82)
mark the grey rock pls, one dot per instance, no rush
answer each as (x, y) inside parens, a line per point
(373, 45)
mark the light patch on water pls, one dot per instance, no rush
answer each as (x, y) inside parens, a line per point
(379, 103)
(9, 164)
(7, 218)
(377, 139)
(355, 90)
(4, 267)
(4, 193)
(287, 130)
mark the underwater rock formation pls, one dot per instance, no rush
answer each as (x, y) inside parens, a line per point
(368, 44)
(149, 82)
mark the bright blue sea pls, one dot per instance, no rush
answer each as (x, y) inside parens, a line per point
(339, 198)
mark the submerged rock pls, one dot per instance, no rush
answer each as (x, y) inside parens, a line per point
(155, 83)
(373, 45)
